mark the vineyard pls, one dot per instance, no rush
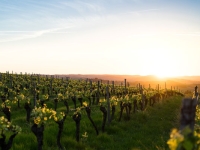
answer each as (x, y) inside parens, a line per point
(45, 112)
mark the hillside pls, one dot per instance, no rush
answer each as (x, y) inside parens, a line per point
(131, 78)
(183, 82)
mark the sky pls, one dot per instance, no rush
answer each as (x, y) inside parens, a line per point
(135, 37)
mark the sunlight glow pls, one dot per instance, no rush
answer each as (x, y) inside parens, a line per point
(100, 37)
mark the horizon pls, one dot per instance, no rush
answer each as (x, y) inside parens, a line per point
(77, 74)
(134, 37)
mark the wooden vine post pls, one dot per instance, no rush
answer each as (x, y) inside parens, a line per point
(38, 77)
(158, 98)
(196, 94)
(93, 94)
(51, 82)
(188, 111)
(143, 99)
(108, 104)
(10, 85)
(113, 87)
(34, 90)
(98, 93)
(125, 86)
(28, 109)
(90, 83)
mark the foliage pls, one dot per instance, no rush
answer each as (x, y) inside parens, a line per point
(5, 126)
(59, 116)
(185, 139)
(6, 104)
(42, 114)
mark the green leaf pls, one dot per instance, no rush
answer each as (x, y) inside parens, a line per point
(188, 145)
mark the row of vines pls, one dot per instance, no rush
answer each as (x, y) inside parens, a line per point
(41, 96)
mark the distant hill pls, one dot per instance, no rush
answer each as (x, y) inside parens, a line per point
(192, 78)
(133, 78)
(151, 80)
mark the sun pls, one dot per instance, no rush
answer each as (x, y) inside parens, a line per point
(162, 63)
(164, 75)
(166, 70)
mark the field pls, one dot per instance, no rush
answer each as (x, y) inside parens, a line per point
(146, 126)
(145, 130)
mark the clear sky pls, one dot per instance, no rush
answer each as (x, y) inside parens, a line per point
(137, 37)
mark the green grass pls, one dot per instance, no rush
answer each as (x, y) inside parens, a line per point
(144, 131)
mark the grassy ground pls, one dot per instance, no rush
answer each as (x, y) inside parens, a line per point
(144, 131)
